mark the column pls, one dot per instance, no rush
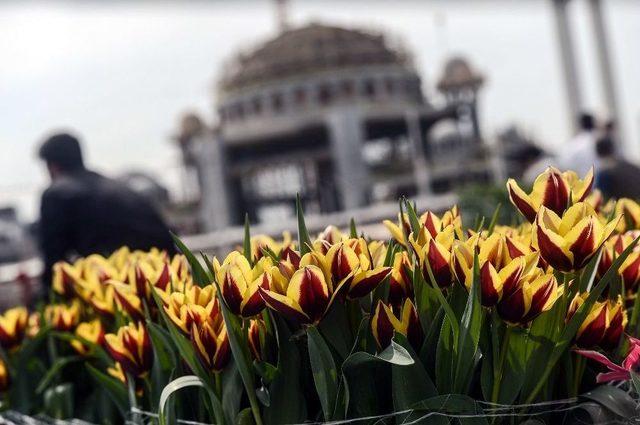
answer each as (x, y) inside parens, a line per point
(420, 168)
(604, 60)
(567, 57)
(347, 136)
(214, 201)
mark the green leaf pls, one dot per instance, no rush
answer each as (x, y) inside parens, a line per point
(410, 383)
(304, 241)
(614, 399)
(246, 243)
(469, 336)
(325, 373)
(173, 387)
(414, 221)
(335, 328)
(199, 274)
(287, 402)
(241, 355)
(162, 347)
(53, 372)
(232, 391)
(494, 219)
(58, 401)
(353, 232)
(635, 380)
(452, 404)
(114, 388)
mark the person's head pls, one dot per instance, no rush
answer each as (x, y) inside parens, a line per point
(62, 154)
(586, 122)
(605, 148)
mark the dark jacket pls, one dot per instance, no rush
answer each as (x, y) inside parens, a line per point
(84, 213)
(618, 178)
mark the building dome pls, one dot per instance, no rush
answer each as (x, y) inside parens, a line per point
(310, 49)
(458, 74)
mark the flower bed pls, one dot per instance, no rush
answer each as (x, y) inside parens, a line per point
(441, 322)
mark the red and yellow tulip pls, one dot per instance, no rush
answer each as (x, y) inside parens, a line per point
(384, 323)
(92, 331)
(239, 283)
(525, 298)
(195, 305)
(211, 342)
(567, 243)
(13, 324)
(603, 325)
(552, 189)
(131, 348)
(435, 252)
(63, 317)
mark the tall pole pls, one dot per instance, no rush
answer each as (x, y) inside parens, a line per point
(604, 59)
(567, 57)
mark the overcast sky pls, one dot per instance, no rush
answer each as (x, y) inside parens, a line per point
(121, 73)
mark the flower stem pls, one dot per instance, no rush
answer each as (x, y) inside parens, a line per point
(497, 373)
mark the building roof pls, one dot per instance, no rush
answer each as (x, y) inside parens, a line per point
(457, 73)
(309, 49)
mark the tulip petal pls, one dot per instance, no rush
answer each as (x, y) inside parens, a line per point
(521, 200)
(284, 305)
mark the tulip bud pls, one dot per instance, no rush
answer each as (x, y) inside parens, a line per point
(617, 325)
(435, 254)
(127, 300)
(527, 297)
(5, 381)
(239, 284)
(630, 209)
(65, 278)
(195, 305)
(551, 189)
(62, 317)
(568, 243)
(212, 345)
(400, 282)
(131, 348)
(89, 331)
(13, 324)
(307, 296)
(384, 323)
(256, 338)
(593, 327)
(332, 235)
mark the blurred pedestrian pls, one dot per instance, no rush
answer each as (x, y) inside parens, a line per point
(579, 154)
(615, 176)
(83, 212)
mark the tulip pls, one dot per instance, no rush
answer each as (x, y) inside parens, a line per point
(617, 324)
(568, 243)
(629, 270)
(34, 324)
(306, 298)
(63, 317)
(13, 324)
(616, 372)
(90, 332)
(551, 189)
(195, 305)
(142, 276)
(384, 323)
(400, 283)
(630, 209)
(332, 235)
(435, 253)
(593, 327)
(350, 261)
(524, 299)
(430, 221)
(5, 381)
(212, 344)
(256, 338)
(127, 300)
(239, 283)
(65, 278)
(131, 348)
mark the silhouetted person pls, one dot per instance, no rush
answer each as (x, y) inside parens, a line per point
(579, 154)
(615, 177)
(83, 212)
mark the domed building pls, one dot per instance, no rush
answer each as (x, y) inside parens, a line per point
(335, 114)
